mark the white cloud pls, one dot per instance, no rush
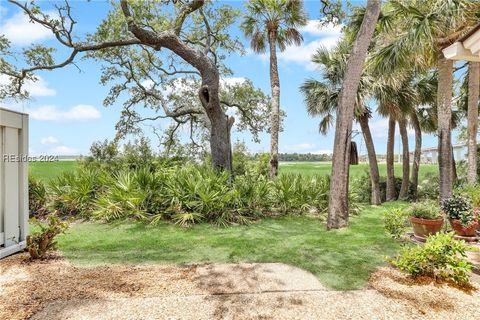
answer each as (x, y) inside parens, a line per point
(328, 37)
(63, 150)
(20, 31)
(313, 27)
(49, 140)
(301, 147)
(79, 112)
(37, 88)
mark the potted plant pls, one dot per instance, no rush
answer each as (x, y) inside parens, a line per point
(426, 219)
(463, 218)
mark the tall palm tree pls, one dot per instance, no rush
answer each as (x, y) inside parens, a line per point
(472, 119)
(414, 33)
(338, 198)
(321, 98)
(276, 23)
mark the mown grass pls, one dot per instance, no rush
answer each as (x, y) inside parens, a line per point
(326, 168)
(341, 259)
(50, 170)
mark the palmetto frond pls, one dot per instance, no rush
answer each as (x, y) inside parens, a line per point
(280, 18)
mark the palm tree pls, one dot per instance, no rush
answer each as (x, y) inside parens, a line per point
(275, 22)
(338, 198)
(321, 99)
(472, 119)
(414, 33)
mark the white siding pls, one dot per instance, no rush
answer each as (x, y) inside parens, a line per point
(13, 181)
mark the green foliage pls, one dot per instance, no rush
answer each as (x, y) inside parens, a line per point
(473, 192)
(37, 197)
(425, 210)
(40, 242)
(442, 257)
(460, 208)
(395, 222)
(429, 186)
(73, 193)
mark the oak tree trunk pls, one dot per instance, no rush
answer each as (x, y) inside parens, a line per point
(444, 104)
(417, 154)
(402, 124)
(338, 199)
(372, 159)
(209, 91)
(473, 93)
(391, 192)
(275, 113)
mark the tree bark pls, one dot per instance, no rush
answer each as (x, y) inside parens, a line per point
(402, 124)
(275, 115)
(372, 159)
(209, 91)
(391, 192)
(444, 104)
(417, 154)
(473, 93)
(338, 199)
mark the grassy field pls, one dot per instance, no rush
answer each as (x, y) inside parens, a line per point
(326, 167)
(340, 259)
(49, 170)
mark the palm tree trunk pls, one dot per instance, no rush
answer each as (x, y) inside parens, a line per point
(275, 113)
(402, 124)
(391, 192)
(473, 93)
(444, 103)
(338, 199)
(417, 154)
(372, 159)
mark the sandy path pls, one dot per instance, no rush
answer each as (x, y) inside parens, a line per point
(57, 290)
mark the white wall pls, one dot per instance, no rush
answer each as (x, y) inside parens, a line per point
(13, 181)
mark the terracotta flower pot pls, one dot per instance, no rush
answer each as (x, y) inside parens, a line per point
(460, 230)
(422, 228)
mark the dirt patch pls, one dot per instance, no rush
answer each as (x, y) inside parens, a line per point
(55, 289)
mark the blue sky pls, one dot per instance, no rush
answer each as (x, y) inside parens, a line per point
(67, 115)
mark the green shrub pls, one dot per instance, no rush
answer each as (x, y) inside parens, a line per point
(396, 222)
(39, 243)
(122, 199)
(460, 208)
(362, 185)
(441, 257)
(473, 192)
(37, 197)
(425, 210)
(429, 187)
(74, 193)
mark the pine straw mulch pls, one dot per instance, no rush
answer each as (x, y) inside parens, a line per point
(28, 287)
(36, 283)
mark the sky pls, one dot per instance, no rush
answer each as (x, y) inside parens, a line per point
(67, 113)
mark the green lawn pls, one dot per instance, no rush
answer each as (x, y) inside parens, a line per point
(326, 167)
(341, 259)
(49, 170)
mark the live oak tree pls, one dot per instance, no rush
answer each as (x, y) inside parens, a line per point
(165, 55)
